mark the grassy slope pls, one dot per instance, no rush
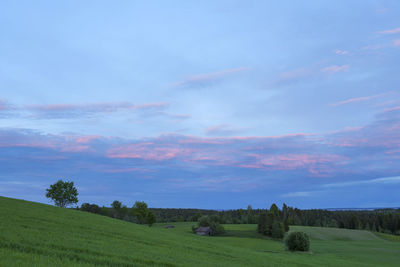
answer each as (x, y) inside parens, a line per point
(40, 235)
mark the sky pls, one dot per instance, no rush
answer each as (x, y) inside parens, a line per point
(211, 104)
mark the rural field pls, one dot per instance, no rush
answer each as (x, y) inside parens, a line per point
(33, 234)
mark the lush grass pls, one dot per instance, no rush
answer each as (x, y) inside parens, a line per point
(33, 234)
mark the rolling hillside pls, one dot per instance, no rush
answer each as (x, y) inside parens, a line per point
(33, 234)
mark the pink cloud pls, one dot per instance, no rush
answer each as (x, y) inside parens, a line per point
(87, 139)
(391, 31)
(396, 42)
(147, 151)
(74, 144)
(204, 79)
(358, 99)
(392, 109)
(335, 68)
(314, 164)
(201, 140)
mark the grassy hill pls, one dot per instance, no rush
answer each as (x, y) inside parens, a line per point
(33, 234)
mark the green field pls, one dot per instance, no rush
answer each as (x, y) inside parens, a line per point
(33, 234)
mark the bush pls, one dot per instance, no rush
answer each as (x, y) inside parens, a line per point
(213, 223)
(297, 241)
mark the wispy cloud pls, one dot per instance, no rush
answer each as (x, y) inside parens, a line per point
(5, 106)
(203, 80)
(221, 129)
(373, 47)
(358, 99)
(2, 105)
(55, 111)
(297, 194)
(335, 68)
(180, 117)
(91, 108)
(396, 42)
(390, 31)
(383, 180)
(341, 52)
(392, 109)
(294, 75)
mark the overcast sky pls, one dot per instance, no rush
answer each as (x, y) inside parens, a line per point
(211, 104)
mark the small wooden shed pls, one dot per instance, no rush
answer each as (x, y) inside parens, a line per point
(203, 231)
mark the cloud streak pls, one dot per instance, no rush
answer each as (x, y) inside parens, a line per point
(62, 110)
(390, 31)
(56, 111)
(358, 99)
(208, 79)
(383, 180)
(335, 68)
(341, 52)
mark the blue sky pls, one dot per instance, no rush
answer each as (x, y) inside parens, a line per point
(217, 104)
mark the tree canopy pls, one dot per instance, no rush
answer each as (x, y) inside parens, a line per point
(63, 193)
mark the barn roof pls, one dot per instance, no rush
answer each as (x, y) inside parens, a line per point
(203, 229)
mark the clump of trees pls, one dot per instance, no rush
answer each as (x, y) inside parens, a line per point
(210, 221)
(119, 211)
(62, 193)
(379, 220)
(142, 214)
(93, 208)
(273, 223)
(139, 213)
(297, 241)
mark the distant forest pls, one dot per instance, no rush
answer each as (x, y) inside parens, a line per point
(379, 220)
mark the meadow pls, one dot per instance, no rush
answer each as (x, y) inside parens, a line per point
(33, 234)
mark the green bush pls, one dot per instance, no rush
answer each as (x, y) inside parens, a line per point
(297, 241)
(212, 222)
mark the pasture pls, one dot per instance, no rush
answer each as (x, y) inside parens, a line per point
(33, 234)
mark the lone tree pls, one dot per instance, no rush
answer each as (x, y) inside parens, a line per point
(63, 193)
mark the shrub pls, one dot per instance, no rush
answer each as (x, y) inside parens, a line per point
(219, 229)
(297, 241)
(213, 223)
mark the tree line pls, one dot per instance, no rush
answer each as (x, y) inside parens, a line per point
(381, 220)
(139, 213)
